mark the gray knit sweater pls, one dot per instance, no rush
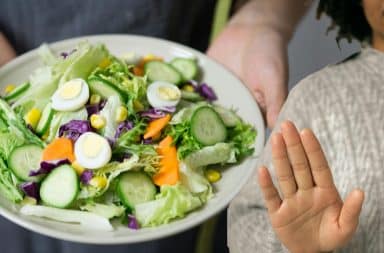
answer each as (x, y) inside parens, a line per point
(344, 105)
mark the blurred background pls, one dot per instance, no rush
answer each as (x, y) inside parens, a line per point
(310, 50)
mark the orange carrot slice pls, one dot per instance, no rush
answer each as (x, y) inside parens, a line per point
(60, 148)
(155, 126)
(169, 165)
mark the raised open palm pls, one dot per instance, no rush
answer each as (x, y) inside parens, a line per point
(310, 216)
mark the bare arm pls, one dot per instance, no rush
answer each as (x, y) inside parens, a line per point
(254, 47)
(7, 53)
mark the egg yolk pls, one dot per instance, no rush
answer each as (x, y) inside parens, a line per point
(168, 93)
(92, 146)
(70, 89)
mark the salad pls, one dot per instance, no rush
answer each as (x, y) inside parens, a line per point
(91, 138)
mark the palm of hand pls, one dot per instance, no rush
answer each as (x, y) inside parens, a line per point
(311, 217)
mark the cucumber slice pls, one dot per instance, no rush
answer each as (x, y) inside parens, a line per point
(17, 92)
(161, 71)
(104, 88)
(187, 68)
(134, 188)
(191, 96)
(229, 117)
(45, 120)
(207, 126)
(59, 189)
(24, 159)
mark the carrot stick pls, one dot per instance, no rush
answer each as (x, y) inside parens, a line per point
(60, 148)
(169, 165)
(155, 127)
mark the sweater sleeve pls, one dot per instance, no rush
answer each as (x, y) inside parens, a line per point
(249, 228)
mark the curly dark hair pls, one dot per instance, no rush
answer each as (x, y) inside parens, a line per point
(348, 16)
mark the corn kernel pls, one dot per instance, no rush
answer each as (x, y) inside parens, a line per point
(28, 201)
(121, 114)
(78, 168)
(98, 182)
(9, 88)
(95, 99)
(33, 117)
(97, 121)
(213, 175)
(151, 57)
(189, 88)
(105, 63)
(138, 106)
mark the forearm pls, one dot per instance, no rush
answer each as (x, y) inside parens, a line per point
(6, 50)
(279, 15)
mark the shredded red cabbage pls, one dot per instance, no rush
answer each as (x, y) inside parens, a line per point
(74, 129)
(156, 113)
(86, 176)
(206, 92)
(66, 54)
(123, 127)
(95, 108)
(132, 222)
(47, 166)
(31, 189)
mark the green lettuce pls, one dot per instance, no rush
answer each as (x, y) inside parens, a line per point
(196, 182)
(109, 113)
(242, 137)
(172, 202)
(16, 125)
(8, 184)
(9, 141)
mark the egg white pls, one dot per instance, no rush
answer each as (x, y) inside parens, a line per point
(96, 161)
(155, 99)
(72, 104)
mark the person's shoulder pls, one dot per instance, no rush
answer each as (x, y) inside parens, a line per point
(331, 76)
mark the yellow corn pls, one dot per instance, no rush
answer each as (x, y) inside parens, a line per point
(78, 168)
(95, 99)
(105, 63)
(28, 201)
(97, 121)
(213, 175)
(189, 88)
(151, 57)
(137, 106)
(9, 88)
(98, 182)
(121, 114)
(33, 117)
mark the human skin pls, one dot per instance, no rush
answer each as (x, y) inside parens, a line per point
(254, 46)
(7, 53)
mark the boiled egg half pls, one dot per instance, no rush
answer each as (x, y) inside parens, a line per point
(162, 94)
(71, 96)
(92, 151)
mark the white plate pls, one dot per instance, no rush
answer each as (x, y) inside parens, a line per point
(231, 93)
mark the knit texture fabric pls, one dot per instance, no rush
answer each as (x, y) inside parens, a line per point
(344, 106)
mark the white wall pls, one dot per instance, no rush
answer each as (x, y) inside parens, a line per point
(311, 49)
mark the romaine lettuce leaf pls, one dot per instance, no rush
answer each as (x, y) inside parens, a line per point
(242, 137)
(219, 153)
(196, 182)
(172, 202)
(9, 141)
(109, 113)
(107, 211)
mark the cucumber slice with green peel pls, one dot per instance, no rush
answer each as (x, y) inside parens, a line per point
(17, 92)
(191, 96)
(45, 120)
(22, 160)
(228, 116)
(187, 67)
(135, 187)
(161, 71)
(207, 126)
(105, 88)
(59, 189)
